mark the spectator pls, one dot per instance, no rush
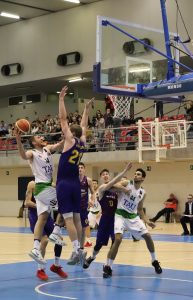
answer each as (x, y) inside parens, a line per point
(189, 109)
(170, 206)
(3, 128)
(188, 216)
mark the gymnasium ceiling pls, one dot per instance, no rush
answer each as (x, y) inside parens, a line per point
(28, 9)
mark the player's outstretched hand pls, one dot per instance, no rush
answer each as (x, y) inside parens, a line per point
(63, 92)
(128, 167)
(17, 132)
(90, 103)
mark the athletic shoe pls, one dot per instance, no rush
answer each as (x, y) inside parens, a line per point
(87, 244)
(82, 256)
(56, 239)
(88, 262)
(185, 233)
(107, 271)
(58, 270)
(42, 275)
(37, 256)
(157, 267)
(74, 259)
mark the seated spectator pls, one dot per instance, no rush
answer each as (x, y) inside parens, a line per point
(188, 216)
(170, 206)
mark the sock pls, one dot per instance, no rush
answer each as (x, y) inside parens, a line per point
(57, 261)
(75, 246)
(110, 262)
(56, 229)
(153, 257)
(37, 244)
(94, 254)
(41, 267)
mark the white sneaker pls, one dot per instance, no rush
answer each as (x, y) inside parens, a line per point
(37, 256)
(74, 259)
(82, 256)
(56, 239)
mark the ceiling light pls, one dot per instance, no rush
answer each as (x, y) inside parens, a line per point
(75, 79)
(73, 1)
(139, 70)
(8, 15)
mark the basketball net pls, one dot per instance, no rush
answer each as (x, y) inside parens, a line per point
(122, 105)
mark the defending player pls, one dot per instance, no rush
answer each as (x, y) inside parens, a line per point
(68, 183)
(86, 186)
(108, 201)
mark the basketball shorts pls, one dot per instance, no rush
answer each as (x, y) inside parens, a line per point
(93, 219)
(45, 199)
(136, 226)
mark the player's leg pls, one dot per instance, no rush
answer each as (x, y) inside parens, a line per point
(150, 245)
(118, 230)
(55, 267)
(41, 272)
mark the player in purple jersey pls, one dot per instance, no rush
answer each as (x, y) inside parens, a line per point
(68, 183)
(30, 203)
(108, 201)
(86, 186)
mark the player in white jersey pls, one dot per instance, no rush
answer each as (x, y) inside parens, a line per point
(94, 214)
(130, 216)
(41, 163)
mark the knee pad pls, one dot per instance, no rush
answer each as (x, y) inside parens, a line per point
(67, 215)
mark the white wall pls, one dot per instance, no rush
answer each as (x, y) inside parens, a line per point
(164, 178)
(36, 43)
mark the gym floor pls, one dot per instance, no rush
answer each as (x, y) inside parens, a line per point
(133, 276)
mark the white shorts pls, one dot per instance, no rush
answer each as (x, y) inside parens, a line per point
(135, 226)
(45, 199)
(93, 219)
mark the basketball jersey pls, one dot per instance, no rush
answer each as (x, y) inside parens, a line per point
(84, 193)
(96, 206)
(130, 202)
(69, 161)
(42, 165)
(108, 203)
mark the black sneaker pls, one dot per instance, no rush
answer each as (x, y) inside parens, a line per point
(107, 271)
(87, 262)
(157, 267)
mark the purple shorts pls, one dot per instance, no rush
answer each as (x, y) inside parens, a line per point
(105, 230)
(69, 196)
(49, 227)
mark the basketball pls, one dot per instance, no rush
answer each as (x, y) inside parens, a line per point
(23, 125)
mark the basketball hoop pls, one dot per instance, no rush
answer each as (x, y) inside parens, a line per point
(121, 105)
(163, 150)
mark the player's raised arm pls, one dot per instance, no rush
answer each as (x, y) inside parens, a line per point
(63, 113)
(84, 120)
(24, 154)
(116, 179)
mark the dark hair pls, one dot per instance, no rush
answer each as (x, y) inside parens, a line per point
(142, 172)
(76, 130)
(95, 180)
(82, 164)
(31, 140)
(104, 170)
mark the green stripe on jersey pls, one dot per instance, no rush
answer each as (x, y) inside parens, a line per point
(40, 186)
(125, 214)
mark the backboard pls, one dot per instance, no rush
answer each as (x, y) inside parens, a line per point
(124, 64)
